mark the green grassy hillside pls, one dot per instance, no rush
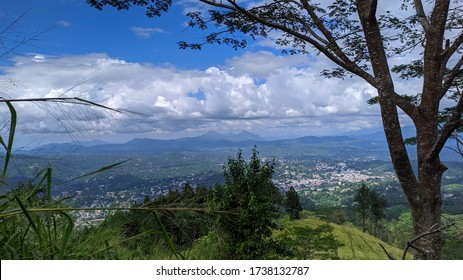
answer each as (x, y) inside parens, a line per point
(357, 244)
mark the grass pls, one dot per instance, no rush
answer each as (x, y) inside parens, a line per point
(358, 245)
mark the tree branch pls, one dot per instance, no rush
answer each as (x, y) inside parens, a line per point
(451, 49)
(387, 96)
(450, 77)
(389, 256)
(332, 51)
(449, 127)
(418, 237)
(219, 4)
(405, 105)
(332, 44)
(421, 15)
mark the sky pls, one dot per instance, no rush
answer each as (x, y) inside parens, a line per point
(126, 61)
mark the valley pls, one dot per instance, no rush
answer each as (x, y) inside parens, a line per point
(326, 170)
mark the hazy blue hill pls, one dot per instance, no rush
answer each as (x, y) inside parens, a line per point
(209, 136)
(53, 148)
(244, 136)
(89, 143)
(309, 145)
(324, 140)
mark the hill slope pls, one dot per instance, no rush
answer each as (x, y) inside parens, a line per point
(357, 244)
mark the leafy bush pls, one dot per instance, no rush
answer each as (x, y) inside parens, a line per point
(251, 200)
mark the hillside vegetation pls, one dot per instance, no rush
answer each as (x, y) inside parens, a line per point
(356, 245)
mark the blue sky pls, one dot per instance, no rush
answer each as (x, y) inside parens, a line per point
(127, 35)
(127, 61)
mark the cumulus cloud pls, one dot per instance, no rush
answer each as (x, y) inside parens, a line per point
(260, 91)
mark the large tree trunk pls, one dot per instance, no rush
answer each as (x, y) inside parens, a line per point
(426, 223)
(422, 191)
(425, 197)
(425, 203)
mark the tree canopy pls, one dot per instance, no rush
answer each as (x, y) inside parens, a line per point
(252, 199)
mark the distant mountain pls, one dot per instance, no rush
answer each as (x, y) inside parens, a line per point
(54, 148)
(89, 143)
(244, 136)
(309, 145)
(210, 136)
(239, 137)
(407, 132)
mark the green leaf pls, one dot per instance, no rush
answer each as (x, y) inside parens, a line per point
(410, 141)
(374, 100)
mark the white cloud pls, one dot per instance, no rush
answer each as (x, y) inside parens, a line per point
(64, 23)
(145, 32)
(257, 91)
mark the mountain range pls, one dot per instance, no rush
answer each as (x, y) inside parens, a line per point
(372, 145)
(208, 141)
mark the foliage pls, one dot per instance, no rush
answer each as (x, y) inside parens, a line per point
(312, 243)
(454, 238)
(26, 234)
(401, 230)
(362, 204)
(251, 198)
(293, 204)
(178, 211)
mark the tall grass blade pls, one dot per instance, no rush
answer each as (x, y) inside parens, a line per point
(166, 236)
(11, 249)
(66, 236)
(9, 146)
(29, 218)
(113, 245)
(48, 177)
(97, 171)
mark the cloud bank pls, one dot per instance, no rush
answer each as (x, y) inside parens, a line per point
(261, 92)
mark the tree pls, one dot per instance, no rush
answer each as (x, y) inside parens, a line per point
(362, 200)
(252, 199)
(370, 206)
(360, 37)
(378, 204)
(293, 204)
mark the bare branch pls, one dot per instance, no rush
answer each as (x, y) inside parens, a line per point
(389, 256)
(430, 231)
